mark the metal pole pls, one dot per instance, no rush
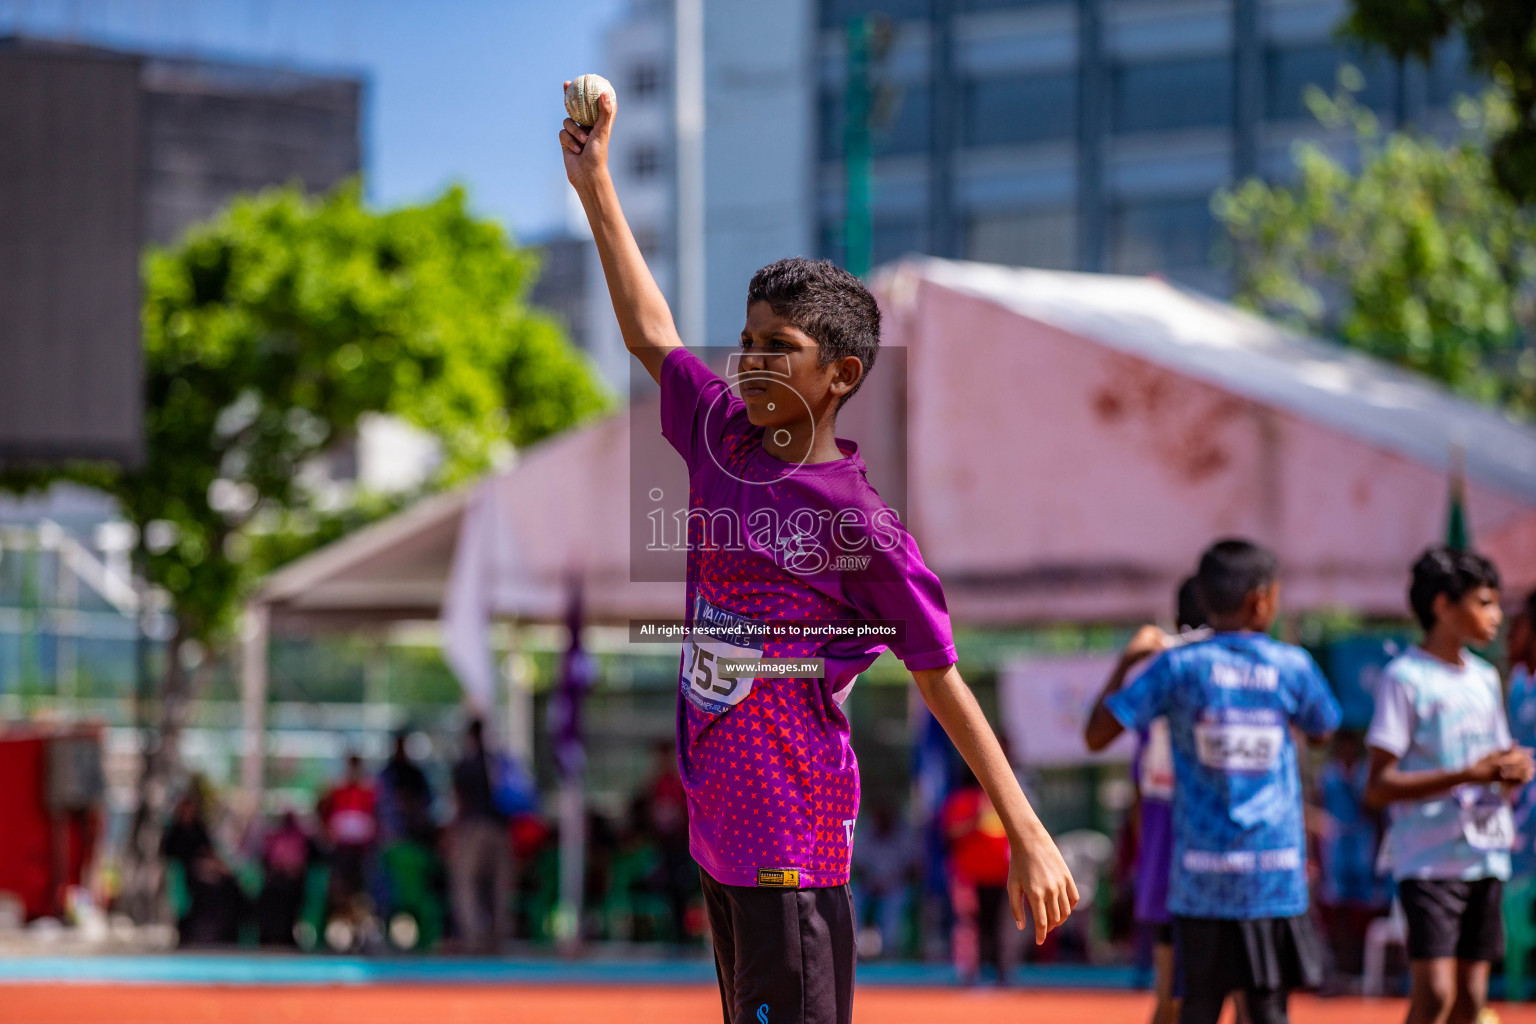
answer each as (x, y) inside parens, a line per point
(573, 859)
(518, 715)
(688, 112)
(858, 229)
(253, 703)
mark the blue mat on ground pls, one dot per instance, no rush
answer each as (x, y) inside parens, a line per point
(245, 969)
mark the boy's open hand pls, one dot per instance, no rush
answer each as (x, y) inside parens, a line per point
(586, 149)
(1039, 880)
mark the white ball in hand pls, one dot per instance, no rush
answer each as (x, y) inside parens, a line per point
(581, 98)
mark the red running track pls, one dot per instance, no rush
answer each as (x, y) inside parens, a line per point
(70, 1003)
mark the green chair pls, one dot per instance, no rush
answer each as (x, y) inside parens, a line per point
(629, 904)
(312, 912)
(413, 870)
(176, 891)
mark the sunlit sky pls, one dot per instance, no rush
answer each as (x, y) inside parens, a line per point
(457, 90)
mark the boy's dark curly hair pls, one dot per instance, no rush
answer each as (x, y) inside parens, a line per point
(826, 302)
(1444, 570)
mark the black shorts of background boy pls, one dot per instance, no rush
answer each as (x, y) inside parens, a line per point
(1455, 925)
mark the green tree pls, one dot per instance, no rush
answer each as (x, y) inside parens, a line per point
(1418, 257)
(268, 333)
(1501, 43)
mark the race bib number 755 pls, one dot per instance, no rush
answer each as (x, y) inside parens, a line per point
(701, 680)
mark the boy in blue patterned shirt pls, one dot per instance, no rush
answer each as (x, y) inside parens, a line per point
(1238, 883)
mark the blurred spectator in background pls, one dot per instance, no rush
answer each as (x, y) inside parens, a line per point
(187, 835)
(213, 905)
(349, 815)
(1520, 893)
(1152, 770)
(669, 826)
(480, 854)
(884, 867)
(978, 870)
(1521, 645)
(405, 796)
(286, 856)
(1352, 893)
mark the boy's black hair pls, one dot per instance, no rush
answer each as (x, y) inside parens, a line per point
(826, 302)
(1444, 570)
(1189, 611)
(1530, 608)
(1229, 571)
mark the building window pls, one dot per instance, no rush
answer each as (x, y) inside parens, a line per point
(1161, 235)
(1173, 94)
(648, 239)
(902, 127)
(998, 5)
(838, 13)
(1024, 238)
(1289, 71)
(1020, 109)
(645, 162)
(1450, 75)
(645, 81)
(892, 237)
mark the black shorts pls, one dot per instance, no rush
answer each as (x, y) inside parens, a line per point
(1215, 956)
(782, 955)
(1448, 918)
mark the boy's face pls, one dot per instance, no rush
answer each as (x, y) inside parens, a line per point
(1475, 619)
(780, 376)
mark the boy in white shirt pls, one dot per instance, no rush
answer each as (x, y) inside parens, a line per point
(1443, 761)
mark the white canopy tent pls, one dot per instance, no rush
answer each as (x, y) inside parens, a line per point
(1069, 443)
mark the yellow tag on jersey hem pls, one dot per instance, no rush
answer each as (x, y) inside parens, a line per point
(779, 878)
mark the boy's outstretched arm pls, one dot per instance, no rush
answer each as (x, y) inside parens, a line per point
(644, 319)
(1037, 875)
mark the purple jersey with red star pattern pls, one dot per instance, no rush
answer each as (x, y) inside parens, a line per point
(771, 778)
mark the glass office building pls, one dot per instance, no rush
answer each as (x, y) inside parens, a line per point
(1090, 134)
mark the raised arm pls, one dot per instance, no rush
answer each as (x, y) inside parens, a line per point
(1036, 873)
(644, 319)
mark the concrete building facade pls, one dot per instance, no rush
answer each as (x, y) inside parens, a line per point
(1090, 134)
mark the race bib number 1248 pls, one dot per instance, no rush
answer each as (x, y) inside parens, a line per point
(1238, 747)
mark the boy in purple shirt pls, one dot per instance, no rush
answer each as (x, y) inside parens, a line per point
(783, 528)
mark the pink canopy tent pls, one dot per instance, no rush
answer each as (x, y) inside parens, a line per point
(1075, 440)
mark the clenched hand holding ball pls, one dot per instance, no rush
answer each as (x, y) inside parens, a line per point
(581, 98)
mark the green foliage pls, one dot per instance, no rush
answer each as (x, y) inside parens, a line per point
(1418, 258)
(1501, 43)
(270, 331)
